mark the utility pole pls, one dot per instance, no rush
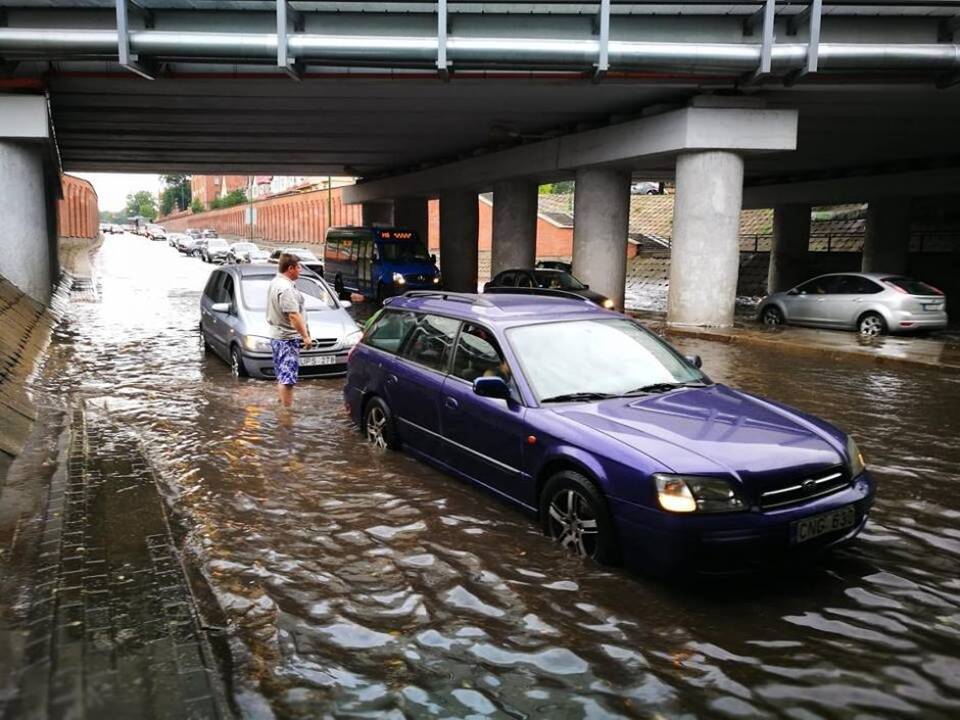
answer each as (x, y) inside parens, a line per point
(250, 211)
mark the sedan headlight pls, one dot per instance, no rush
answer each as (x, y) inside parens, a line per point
(399, 279)
(353, 338)
(855, 462)
(255, 343)
(687, 494)
(608, 304)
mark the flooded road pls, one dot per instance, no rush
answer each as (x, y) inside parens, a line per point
(358, 583)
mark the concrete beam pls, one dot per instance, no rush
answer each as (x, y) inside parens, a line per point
(744, 130)
(852, 189)
(24, 117)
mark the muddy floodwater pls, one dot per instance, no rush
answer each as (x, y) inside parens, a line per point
(357, 583)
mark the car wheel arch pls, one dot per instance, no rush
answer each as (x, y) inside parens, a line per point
(559, 463)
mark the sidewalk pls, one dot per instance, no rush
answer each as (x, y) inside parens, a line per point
(942, 355)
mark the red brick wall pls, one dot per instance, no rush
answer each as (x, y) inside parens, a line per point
(298, 218)
(78, 212)
(552, 241)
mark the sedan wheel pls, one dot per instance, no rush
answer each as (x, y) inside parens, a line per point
(772, 316)
(872, 325)
(572, 523)
(376, 420)
(574, 513)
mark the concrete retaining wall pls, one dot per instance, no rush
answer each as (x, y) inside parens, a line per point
(25, 326)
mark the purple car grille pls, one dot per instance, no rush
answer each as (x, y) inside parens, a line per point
(809, 488)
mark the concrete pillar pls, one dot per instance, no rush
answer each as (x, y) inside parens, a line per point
(459, 224)
(25, 220)
(601, 218)
(412, 213)
(378, 212)
(789, 249)
(887, 242)
(514, 241)
(705, 251)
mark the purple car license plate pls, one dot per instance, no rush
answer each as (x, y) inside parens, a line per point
(811, 527)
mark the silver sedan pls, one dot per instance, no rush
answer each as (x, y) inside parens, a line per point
(872, 303)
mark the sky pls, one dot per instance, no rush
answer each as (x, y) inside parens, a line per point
(113, 188)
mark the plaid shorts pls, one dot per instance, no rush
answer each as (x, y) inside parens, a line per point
(286, 360)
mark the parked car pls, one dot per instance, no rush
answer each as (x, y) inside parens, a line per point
(199, 247)
(262, 256)
(621, 446)
(215, 250)
(208, 233)
(240, 252)
(378, 262)
(307, 258)
(193, 232)
(645, 187)
(155, 232)
(173, 239)
(547, 280)
(871, 303)
(187, 244)
(234, 326)
(554, 265)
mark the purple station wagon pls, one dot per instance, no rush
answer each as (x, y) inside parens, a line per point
(621, 446)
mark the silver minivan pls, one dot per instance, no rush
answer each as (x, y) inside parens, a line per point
(872, 303)
(233, 322)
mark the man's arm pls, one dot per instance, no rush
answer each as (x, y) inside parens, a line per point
(296, 319)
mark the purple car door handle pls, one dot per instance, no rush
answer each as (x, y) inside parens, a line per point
(451, 403)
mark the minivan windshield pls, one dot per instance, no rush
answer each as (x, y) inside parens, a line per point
(592, 359)
(316, 296)
(403, 251)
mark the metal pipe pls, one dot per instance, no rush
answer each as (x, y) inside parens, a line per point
(475, 52)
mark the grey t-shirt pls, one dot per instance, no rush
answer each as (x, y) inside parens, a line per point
(283, 298)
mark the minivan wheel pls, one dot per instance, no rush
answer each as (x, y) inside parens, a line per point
(378, 425)
(872, 324)
(574, 513)
(772, 316)
(236, 363)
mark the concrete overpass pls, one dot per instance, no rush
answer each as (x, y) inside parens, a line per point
(756, 103)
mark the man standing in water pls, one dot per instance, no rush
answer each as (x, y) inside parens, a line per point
(288, 325)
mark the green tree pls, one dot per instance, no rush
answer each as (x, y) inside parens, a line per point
(176, 193)
(141, 203)
(232, 198)
(197, 206)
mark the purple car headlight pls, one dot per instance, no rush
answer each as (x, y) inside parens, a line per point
(855, 460)
(690, 493)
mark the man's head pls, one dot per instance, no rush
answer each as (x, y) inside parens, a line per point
(289, 265)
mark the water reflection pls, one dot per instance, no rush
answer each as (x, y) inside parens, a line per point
(359, 582)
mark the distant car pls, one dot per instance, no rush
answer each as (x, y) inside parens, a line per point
(871, 303)
(155, 232)
(233, 322)
(208, 233)
(307, 258)
(173, 239)
(554, 265)
(240, 252)
(645, 187)
(192, 232)
(546, 280)
(215, 250)
(260, 256)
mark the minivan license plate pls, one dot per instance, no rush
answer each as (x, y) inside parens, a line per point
(811, 527)
(318, 360)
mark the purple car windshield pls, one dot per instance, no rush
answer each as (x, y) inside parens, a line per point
(596, 357)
